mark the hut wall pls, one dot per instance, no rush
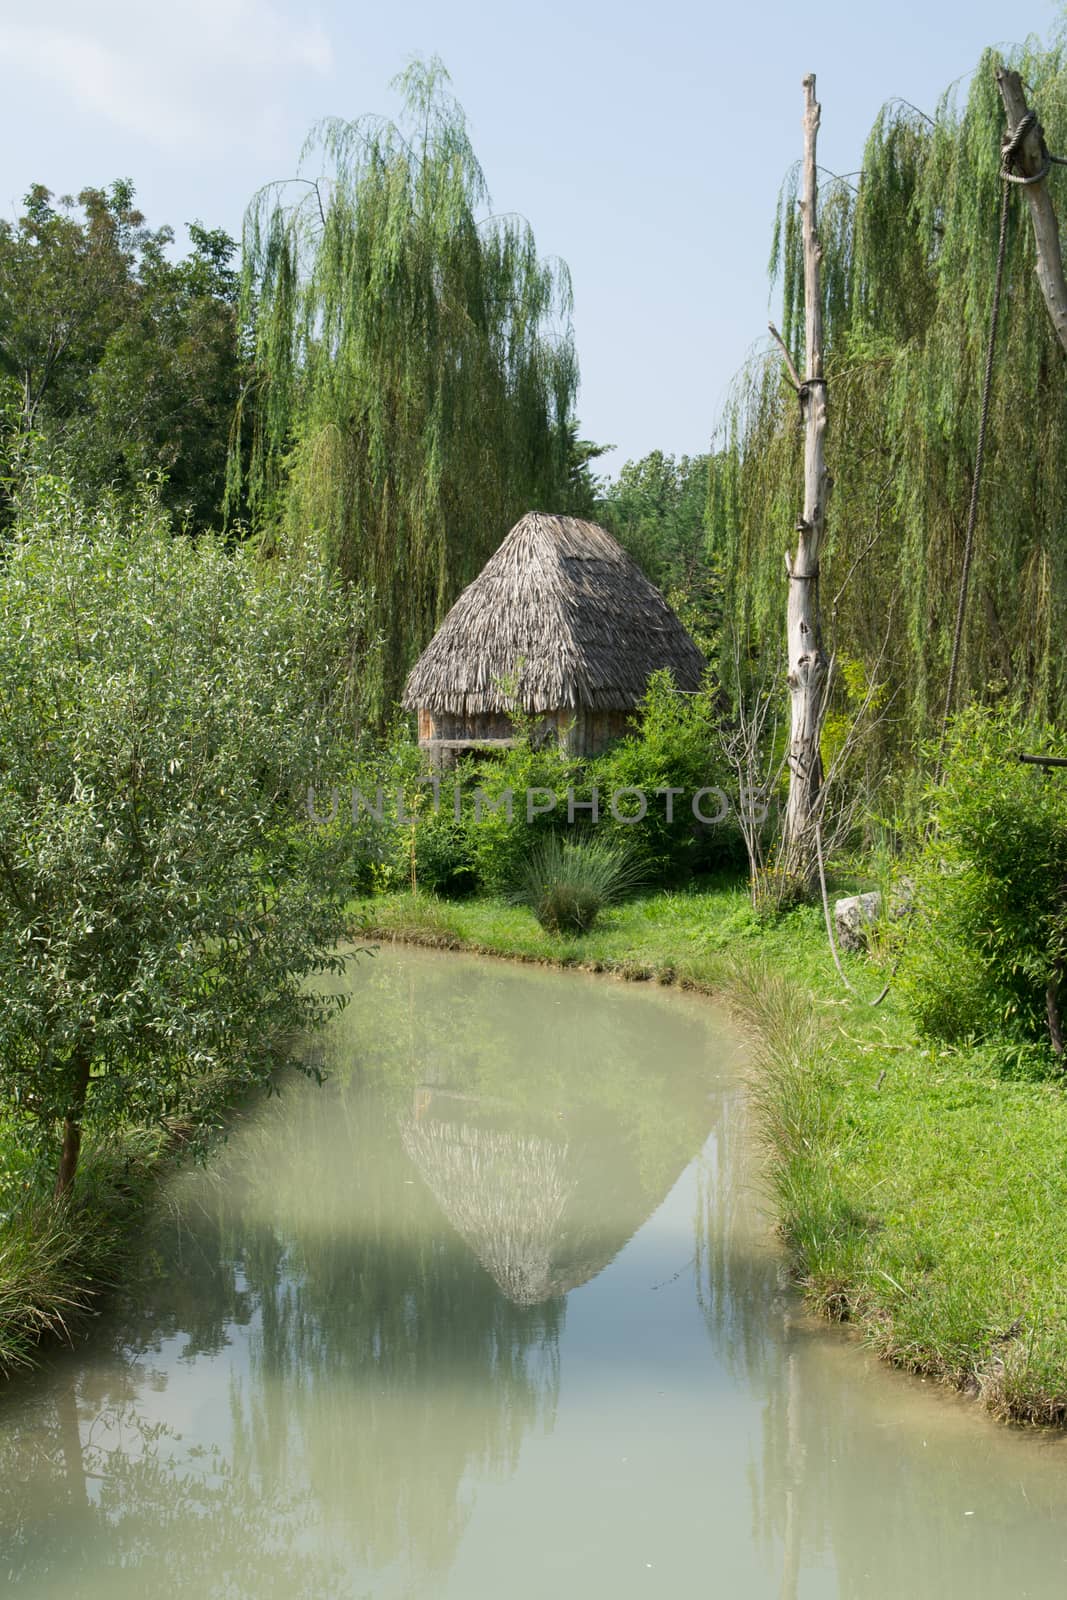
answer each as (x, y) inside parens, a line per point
(443, 734)
(592, 730)
(476, 725)
(582, 732)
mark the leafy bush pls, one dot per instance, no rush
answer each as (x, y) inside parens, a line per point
(162, 903)
(989, 939)
(675, 745)
(444, 858)
(385, 768)
(481, 832)
(566, 883)
(500, 843)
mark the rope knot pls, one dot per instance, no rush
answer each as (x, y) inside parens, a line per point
(1013, 143)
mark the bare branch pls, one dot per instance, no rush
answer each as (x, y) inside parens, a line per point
(794, 377)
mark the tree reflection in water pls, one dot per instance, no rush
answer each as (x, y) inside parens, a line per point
(900, 1488)
(101, 1501)
(349, 1330)
(376, 1275)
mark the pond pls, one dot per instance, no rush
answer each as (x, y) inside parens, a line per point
(498, 1311)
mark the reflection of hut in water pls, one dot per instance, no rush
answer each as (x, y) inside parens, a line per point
(504, 1193)
(543, 1216)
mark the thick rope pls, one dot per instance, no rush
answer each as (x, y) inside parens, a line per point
(830, 931)
(1013, 142)
(979, 460)
(1034, 177)
(1012, 146)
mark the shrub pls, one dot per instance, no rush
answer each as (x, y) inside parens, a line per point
(499, 843)
(162, 903)
(485, 842)
(675, 745)
(988, 942)
(444, 857)
(385, 766)
(566, 883)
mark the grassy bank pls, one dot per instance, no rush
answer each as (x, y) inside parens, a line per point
(921, 1192)
(57, 1259)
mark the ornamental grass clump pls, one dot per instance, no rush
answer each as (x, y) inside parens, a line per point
(567, 883)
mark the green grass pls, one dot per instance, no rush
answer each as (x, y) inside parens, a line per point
(567, 884)
(683, 937)
(921, 1193)
(55, 1259)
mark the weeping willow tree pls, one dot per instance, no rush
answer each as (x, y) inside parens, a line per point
(415, 365)
(909, 254)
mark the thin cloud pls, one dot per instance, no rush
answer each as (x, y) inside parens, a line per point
(182, 78)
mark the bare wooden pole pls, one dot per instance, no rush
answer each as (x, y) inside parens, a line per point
(1031, 161)
(807, 665)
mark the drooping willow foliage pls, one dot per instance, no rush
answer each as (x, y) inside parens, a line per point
(415, 365)
(909, 256)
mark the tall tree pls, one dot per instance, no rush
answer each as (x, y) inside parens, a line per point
(655, 507)
(163, 394)
(118, 360)
(909, 249)
(415, 370)
(65, 285)
(162, 898)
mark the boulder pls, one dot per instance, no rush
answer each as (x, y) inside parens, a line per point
(853, 918)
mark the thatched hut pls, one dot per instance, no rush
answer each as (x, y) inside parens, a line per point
(560, 623)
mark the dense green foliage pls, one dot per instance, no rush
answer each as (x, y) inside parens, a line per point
(163, 703)
(658, 508)
(990, 931)
(478, 828)
(674, 745)
(415, 372)
(115, 360)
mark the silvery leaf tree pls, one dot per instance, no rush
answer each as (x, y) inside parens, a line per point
(163, 899)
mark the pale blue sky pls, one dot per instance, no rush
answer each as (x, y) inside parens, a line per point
(645, 143)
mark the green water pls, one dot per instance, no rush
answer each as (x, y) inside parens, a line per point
(495, 1313)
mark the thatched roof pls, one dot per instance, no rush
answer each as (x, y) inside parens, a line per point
(562, 607)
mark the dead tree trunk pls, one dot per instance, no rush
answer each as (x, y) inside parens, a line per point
(1030, 160)
(807, 665)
